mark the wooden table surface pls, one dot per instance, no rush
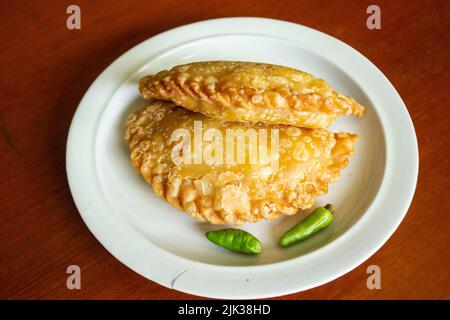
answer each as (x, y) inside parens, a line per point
(46, 68)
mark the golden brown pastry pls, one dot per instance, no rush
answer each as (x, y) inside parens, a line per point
(220, 192)
(248, 91)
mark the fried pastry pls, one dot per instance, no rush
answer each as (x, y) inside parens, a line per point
(218, 190)
(253, 92)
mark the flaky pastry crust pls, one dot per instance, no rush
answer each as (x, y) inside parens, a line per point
(234, 194)
(253, 92)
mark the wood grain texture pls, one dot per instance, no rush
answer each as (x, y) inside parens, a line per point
(46, 68)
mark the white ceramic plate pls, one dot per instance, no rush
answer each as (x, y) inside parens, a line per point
(168, 246)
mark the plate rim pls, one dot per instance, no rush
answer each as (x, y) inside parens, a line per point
(184, 275)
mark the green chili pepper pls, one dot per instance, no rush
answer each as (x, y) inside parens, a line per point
(235, 240)
(320, 218)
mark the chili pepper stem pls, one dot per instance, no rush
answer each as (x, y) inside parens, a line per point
(330, 207)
